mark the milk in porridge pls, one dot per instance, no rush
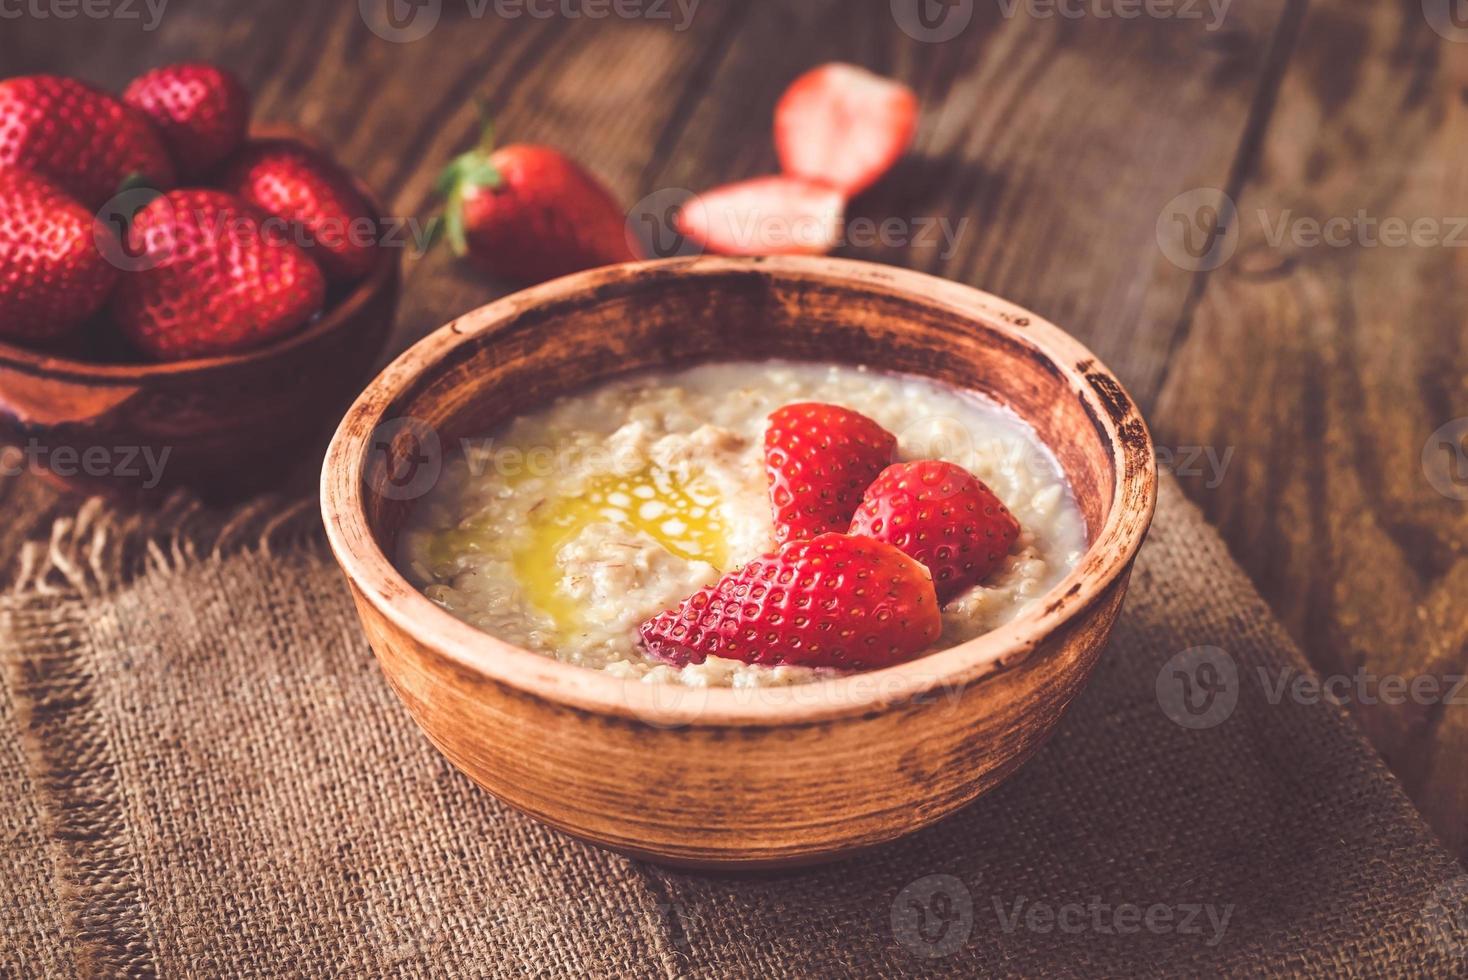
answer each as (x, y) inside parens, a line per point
(566, 529)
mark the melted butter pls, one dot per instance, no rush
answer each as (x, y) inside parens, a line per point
(683, 519)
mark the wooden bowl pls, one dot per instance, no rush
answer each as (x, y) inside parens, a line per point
(724, 777)
(229, 426)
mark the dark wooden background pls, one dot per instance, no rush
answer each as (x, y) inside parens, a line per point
(1061, 143)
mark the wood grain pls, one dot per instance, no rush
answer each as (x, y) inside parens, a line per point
(1058, 142)
(1327, 367)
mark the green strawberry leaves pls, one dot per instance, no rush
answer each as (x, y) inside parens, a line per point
(467, 172)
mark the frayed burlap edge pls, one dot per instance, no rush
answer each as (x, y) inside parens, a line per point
(101, 549)
(98, 550)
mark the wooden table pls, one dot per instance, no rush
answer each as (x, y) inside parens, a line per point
(1294, 374)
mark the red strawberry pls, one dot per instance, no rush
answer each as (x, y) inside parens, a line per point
(201, 110)
(52, 276)
(833, 601)
(819, 460)
(220, 281)
(765, 216)
(82, 139)
(943, 516)
(844, 126)
(530, 213)
(303, 186)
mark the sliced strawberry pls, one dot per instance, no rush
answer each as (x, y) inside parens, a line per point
(834, 601)
(201, 110)
(844, 126)
(765, 216)
(820, 459)
(943, 516)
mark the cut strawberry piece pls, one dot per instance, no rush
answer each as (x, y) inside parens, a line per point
(765, 216)
(844, 126)
(943, 516)
(834, 601)
(820, 459)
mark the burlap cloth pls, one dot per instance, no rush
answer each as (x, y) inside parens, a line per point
(206, 775)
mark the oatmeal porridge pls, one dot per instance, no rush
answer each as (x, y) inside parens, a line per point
(565, 530)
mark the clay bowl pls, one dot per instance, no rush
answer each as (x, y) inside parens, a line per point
(228, 425)
(723, 778)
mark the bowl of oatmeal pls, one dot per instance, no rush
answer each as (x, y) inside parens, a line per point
(566, 529)
(731, 562)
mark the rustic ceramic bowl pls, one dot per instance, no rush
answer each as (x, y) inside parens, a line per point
(719, 777)
(229, 425)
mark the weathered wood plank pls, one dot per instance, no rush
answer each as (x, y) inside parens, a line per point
(1032, 145)
(1328, 367)
(1049, 145)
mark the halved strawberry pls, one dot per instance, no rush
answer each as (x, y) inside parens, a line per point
(765, 216)
(844, 126)
(943, 516)
(52, 275)
(820, 459)
(80, 138)
(833, 601)
(201, 110)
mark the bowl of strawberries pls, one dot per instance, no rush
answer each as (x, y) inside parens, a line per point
(183, 303)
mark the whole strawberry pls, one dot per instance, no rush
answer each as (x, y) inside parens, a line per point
(52, 275)
(215, 279)
(530, 213)
(83, 139)
(819, 460)
(292, 181)
(201, 110)
(833, 601)
(943, 516)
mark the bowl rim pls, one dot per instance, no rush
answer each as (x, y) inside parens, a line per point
(384, 272)
(377, 582)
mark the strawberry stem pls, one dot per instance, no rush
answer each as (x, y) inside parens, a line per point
(470, 171)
